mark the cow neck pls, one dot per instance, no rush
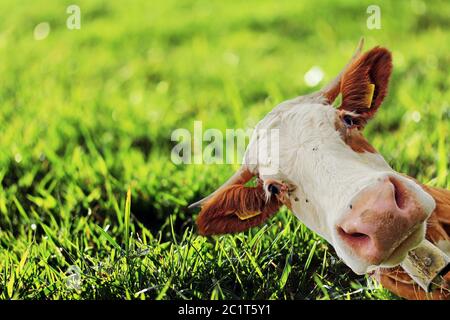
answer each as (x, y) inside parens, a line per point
(438, 225)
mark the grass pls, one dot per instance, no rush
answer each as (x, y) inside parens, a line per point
(86, 115)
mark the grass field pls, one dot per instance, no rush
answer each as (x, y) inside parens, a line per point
(88, 114)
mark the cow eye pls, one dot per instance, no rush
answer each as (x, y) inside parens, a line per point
(349, 121)
(273, 189)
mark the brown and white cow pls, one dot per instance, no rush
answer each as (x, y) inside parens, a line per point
(335, 182)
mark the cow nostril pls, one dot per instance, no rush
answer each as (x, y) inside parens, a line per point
(400, 193)
(353, 238)
(358, 235)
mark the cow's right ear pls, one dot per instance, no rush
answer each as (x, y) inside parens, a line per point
(236, 208)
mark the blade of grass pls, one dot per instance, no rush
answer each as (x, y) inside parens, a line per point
(287, 270)
(162, 293)
(108, 237)
(127, 219)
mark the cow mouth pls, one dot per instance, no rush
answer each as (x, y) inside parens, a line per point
(396, 254)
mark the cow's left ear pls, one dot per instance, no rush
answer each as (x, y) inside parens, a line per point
(365, 82)
(236, 208)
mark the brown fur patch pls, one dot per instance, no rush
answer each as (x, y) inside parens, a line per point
(219, 214)
(354, 138)
(400, 283)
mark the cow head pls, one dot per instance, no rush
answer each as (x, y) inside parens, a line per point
(327, 173)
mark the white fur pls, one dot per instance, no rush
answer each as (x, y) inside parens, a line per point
(327, 172)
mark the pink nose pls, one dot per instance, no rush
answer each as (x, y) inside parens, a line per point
(380, 218)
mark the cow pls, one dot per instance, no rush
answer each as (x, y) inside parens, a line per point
(335, 182)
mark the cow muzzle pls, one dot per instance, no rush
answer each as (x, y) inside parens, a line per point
(383, 219)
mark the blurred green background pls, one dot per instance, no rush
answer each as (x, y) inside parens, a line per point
(86, 114)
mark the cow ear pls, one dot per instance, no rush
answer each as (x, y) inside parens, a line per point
(364, 84)
(236, 208)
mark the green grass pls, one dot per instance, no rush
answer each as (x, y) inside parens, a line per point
(87, 115)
